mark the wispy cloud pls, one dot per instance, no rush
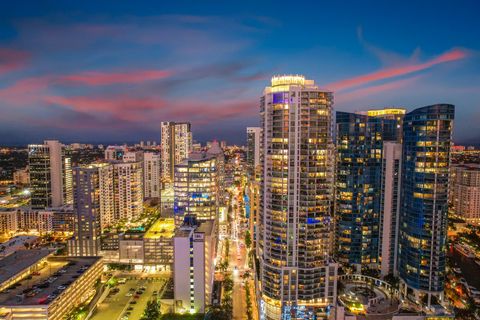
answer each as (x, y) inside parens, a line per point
(11, 60)
(357, 94)
(397, 71)
(98, 78)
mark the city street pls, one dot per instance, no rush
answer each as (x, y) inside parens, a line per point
(238, 260)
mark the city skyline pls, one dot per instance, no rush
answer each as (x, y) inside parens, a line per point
(90, 73)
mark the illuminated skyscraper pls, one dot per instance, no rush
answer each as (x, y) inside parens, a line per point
(128, 190)
(359, 194)
(196, 187)
(297, 276)
(423, 212)
(151, 174)
(176, 144)
(253, 149)
(217, 151)
(50, 175)
(94, 207)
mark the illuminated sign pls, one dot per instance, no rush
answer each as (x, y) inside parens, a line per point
(286, 80)
(198, 237)
(376, 113)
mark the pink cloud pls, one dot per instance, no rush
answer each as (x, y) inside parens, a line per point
(95, 78)
(11, 60)
(123, 107)
(202, 113)
(392, 72)
(372, 90)
(24, 91)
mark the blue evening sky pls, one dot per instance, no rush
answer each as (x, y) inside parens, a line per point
(111, 71)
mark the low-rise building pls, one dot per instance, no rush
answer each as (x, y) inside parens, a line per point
(59, 284)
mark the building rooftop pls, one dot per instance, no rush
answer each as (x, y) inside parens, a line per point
(44, 287)
(203, 226)
(162, 228)
(19, 261)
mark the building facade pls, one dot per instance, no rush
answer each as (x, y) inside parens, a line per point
(50, 171)
(359, 177)
(253, 148)
(196, 187)
(390, 207)
(297, 276)
(193, 265)
(151, 175)
(94, 206)
(427, 142)
(176, 144)
(128, 190)
(464, 192)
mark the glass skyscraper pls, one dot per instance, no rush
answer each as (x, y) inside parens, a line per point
(423, 214)
(359, 196)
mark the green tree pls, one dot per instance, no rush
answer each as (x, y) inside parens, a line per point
(248, 239)
(217, 313)
(228, 284)
(152, 311)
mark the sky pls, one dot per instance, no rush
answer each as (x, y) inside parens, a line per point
(111, 71)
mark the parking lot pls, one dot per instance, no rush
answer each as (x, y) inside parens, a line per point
(129, 302)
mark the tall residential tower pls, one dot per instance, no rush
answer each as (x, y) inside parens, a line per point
(176, 144)
(297, 277)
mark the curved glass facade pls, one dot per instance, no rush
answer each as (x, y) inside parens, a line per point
(423, 213)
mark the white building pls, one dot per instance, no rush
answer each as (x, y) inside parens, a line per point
(21, 177)
(115, 152)
(128, 190)
(176, 144)
(151, 174)
(390, 206)
(193, 265)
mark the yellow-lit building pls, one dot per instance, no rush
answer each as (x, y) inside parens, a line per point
(158, 244)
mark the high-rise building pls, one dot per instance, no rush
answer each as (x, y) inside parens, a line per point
(359, 196)
(390, 206)
(253, 149)
(176, 145)
(193, 265)
(297, 276)
(94, 206)
(464, 192)
(196, 187)
(151, 175)
(50, 175)
(128, 190)
(216, 151)
(427, 141)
